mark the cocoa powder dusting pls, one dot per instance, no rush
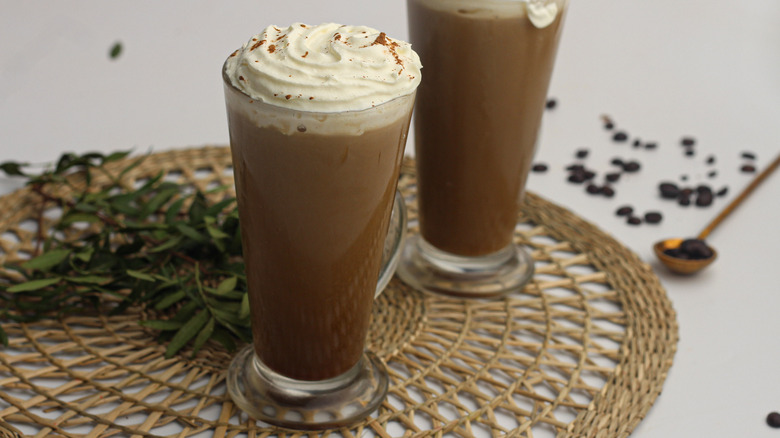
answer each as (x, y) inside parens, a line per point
(336, 36)
(288, 96)
(305, 54)
(256, 45)
(241, 78)
(391, 46)
(234, 54)
(271, 48)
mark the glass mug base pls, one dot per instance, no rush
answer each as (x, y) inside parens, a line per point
(431, 270)
(313, 405)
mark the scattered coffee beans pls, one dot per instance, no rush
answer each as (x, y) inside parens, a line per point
(551, 103)
(631, 166)
(593, 189)
(624, 210)
(712, 174)
(633, 220)
(689, 152)
(748, 168)
(691, 249)
(669, 190)
(748, 155)
(688, 141)
(582, 153)
(652, 145)
(620, 137)
(608, 191)
(711, 159)
(722, 192)
(612, 177)
(773, 419)
(653, 217)
(617, 162)
(539, 167)
(704, 199)
(684, 201)
(637, 143)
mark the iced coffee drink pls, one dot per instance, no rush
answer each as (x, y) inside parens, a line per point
(488, 66)
(318, 119)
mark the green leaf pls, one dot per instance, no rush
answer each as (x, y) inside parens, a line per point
(13, 169)
(167, 245)
(243, 313)
(227, 285)
(223, 337)
(170, 300)
(162, 325)
(187, 332)
(47, 260)
(190, 232)
(33, 285)
(198, 208)
(203, 336)
(217, 208)
(158, 200)
(140, 275)
(115, 51)
(89, 279)
(116, 156)
(173, 211)
(73, 217)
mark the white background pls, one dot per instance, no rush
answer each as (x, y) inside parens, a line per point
(662, 69)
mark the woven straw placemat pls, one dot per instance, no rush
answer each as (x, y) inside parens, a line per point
(582, 351)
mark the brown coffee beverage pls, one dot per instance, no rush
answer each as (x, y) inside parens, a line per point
(315, 207)
(487, 71)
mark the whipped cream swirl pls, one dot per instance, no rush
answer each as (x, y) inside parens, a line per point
(324, 68)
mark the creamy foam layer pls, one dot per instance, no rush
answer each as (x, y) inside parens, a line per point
(324, 68)
(541, 13)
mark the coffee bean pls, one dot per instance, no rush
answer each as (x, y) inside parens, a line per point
(582, 153)
(653, 217)
(748, 155)
(633, 220)
(589, 175)
(712, 174)
(593, 189)
(620, 137)
(668, 190)
(631, 166)
(722, 192)
(684, 177)
(704, 199)
(688, 141)
(637, 143)
(676, 253)
(577, 178)
(612, 177)
(687, 191)
(703, 188)
(608, 191)
(617, 162)
(551, 103)
(773, 420)
(690, 153)
(624, 210)
(651, 145)
(748, 168)
(711, 159)
(575, 168)
(540, 167)
(684, 201)
(609, 126)
(697, 249)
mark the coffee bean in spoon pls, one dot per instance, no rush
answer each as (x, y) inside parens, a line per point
(697, 249)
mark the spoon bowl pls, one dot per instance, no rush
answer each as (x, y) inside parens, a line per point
(678, 265)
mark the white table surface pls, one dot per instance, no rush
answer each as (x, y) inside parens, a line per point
(662, 69)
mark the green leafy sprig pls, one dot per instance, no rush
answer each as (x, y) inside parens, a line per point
(157, 244)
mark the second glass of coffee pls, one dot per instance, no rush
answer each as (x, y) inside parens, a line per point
(488, 65)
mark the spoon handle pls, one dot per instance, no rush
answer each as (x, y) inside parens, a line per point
(738, 200)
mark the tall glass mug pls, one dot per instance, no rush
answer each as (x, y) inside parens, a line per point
(488, 65)
(315, 193)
